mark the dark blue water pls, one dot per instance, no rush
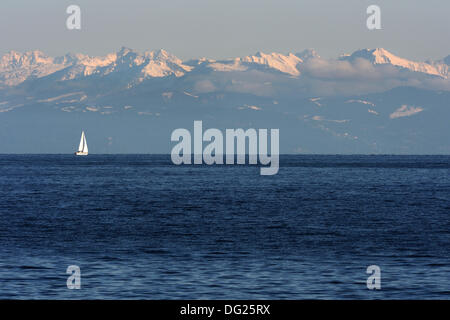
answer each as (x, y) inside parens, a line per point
(140, 227)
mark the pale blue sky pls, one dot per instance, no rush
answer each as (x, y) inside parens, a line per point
(413, 29)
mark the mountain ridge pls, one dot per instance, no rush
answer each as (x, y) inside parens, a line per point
(16, 67)
(368, 102)
(382, 56)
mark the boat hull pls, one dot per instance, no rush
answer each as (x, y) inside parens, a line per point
(80, 153)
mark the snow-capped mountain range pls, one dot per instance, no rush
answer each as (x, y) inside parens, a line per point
(370, 101)
(16, 67)
(382, 56)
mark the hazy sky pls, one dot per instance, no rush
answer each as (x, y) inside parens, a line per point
(414, 29)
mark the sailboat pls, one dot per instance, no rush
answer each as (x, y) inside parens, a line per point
(82, 148)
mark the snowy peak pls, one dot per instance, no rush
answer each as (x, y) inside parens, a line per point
(125, 51)
(287, 64)
(17, 59)
(157, 63)
(283, 63)
(161, 63)
(16, 67)
(150, 64)
(161, 55)
(382, 56)
(135, 67)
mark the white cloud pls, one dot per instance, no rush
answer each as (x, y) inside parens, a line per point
(331, 77)
(405, 111)
(320, 118)
(361, 101)
(250, 107)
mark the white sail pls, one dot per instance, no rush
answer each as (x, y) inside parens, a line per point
(85, 147)
(82, 148)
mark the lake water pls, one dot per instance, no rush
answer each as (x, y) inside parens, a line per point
(140, 227)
